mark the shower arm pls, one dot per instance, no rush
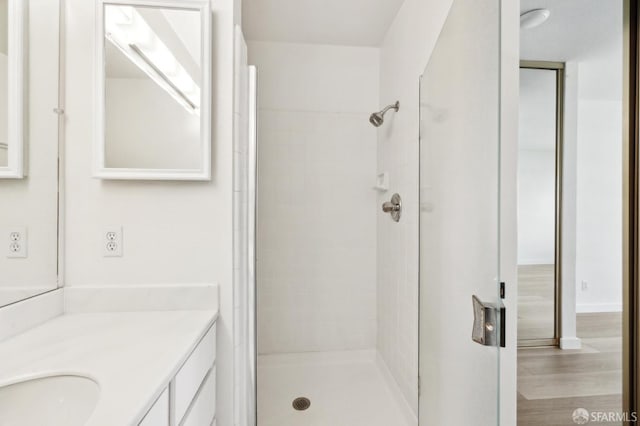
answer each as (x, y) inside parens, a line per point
(395, 106)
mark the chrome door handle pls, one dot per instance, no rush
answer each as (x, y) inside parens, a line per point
(393, 207)
(488, 323)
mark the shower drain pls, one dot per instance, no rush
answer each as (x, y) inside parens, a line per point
(301, 403)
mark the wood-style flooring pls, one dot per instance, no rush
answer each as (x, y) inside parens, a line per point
(552, 382)
(536, 302)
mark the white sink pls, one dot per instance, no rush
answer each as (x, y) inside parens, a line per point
(63, 400)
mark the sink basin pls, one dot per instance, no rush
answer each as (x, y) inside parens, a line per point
(63, 400)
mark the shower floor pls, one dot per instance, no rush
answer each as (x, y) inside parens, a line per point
(345, 389)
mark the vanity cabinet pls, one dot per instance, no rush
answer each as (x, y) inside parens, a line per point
(190, 399)
(158, 415)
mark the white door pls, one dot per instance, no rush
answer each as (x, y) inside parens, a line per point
(459, 218)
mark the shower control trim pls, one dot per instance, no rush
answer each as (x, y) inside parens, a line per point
(393, 207)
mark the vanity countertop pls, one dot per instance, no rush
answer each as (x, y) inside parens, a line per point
(131, 355)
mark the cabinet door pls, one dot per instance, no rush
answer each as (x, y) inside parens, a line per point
(158, 415)
(191, 375)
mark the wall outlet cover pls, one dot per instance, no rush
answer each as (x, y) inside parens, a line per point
(112, 242)
(16, 242)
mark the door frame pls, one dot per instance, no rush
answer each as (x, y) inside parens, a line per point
(630, 211)
(559, 68)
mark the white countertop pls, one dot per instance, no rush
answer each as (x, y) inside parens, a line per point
(131, 355)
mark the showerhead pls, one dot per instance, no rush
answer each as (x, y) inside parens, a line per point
(377, 118)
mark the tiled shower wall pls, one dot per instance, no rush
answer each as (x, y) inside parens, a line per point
(316, 249)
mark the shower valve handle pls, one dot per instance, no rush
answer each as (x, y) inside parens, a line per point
(389, 207)
(393, 207)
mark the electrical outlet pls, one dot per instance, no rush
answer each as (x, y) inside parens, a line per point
(585, 286)
(112, 242)
(16, 243)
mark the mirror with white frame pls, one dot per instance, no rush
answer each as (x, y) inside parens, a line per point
(12, 58)
(29, 219)
(153, 95)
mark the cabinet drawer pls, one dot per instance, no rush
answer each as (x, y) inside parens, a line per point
(203, 409)
(158, 414)
(190, 377)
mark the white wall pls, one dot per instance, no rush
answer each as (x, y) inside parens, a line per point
(599, 174)
(244, 205)
(599, 206)
(174, 232)
(568, 338)
(32, 202)
(316, 238)
(403, 57)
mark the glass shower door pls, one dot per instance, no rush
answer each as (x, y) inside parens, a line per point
(459, 220)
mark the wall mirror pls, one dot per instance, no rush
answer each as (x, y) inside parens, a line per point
(29, 219)
(539, 200)
(12, 57)
(153, 82)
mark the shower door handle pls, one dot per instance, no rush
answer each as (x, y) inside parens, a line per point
(488, 323)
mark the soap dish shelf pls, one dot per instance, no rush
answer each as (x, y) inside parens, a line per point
(382, 182)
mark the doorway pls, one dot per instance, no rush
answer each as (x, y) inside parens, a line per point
(570, 205)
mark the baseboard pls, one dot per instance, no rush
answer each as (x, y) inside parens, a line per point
(585, 308)
(570, 343)
(395, 390)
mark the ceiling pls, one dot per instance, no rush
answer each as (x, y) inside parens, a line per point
(585, 31)
(338, 22)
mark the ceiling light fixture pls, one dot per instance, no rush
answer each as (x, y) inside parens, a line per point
(130, 33)
(534, 18)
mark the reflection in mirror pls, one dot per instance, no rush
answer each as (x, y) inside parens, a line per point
(4, 82)
(29, 213)
(153, 85)
(537, 205)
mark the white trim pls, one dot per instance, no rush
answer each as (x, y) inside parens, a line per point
(252, 349)
(569, 210)
(16, 78)
(407, 412)
(62, 56)
(584, 308)
(99, 168)
(570, 343)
